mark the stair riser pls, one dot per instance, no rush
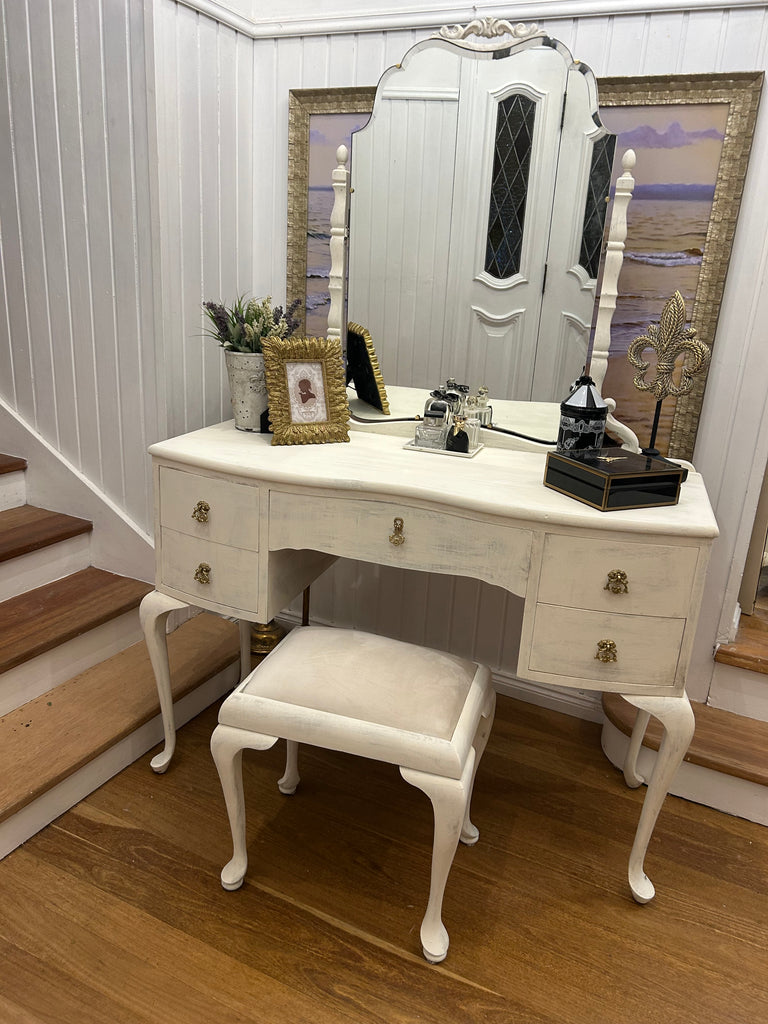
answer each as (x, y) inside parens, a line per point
(13, 491)
(35, 569)
(41, 812)
(39, 675)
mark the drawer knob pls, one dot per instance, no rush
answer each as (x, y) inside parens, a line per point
(606, 651)
(397, 537)
(200, 511)
(203, 573)
(618, 582)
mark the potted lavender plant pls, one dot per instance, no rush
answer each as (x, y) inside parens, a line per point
(240, 330)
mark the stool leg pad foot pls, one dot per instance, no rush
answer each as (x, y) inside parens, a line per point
(232, 875)
(469, 834)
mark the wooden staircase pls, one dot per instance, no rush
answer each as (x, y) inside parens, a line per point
(77, 693)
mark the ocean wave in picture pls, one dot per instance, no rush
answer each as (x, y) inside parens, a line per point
(318, 300)
(688, 257)
(322, 235)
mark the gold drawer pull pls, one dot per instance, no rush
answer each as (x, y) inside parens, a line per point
(200, 511)
(618, 582)
(203, 573)
(606, 651)
(397, 537)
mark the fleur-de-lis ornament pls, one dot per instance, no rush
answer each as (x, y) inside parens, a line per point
(669, 339)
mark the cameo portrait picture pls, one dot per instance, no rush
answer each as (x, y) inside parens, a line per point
(307, 392)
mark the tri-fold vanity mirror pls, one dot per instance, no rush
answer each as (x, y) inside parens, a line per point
(476, 211)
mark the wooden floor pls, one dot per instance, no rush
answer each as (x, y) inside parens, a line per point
(115, 913)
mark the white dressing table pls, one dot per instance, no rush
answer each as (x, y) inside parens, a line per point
(242, 528)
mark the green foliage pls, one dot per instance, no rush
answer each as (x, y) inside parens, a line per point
(242, 326)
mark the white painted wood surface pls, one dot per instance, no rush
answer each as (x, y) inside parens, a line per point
(164, 183)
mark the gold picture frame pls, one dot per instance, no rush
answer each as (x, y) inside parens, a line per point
(302, 104)
(363, 368)
(740, 91)
(306, 388)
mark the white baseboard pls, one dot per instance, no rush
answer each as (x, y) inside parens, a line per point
(693, 782)
(41, 812)
(36, 568)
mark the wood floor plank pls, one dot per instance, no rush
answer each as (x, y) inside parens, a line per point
(41, 619)
(543, 928)
(28, 528)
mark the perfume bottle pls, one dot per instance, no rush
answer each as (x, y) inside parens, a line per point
(484, 411)
(472, 425)
(431, 432)
(582, 419)
(457, 439)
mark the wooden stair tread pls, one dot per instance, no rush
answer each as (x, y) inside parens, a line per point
(41, 619)
(11, 464)
(723, 741)
(46, 740)
(750, 648)
(28, 528)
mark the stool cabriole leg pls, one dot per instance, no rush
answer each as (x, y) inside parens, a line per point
(469, 833)
(290, 780)
(227, 746)
(449, 799)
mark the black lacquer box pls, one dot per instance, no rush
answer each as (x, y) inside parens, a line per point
(611, 479)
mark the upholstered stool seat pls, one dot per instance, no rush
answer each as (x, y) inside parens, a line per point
(427, 712)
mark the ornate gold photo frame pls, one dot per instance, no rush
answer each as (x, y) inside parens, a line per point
(736, 97)
(307, 392)
(363, 368)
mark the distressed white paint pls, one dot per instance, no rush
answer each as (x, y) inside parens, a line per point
(153, 143)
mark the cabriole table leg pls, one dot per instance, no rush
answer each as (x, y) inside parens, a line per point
(153, 613)
(676, 716)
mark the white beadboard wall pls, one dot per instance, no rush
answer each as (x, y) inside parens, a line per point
(77, 341)
(143, 160)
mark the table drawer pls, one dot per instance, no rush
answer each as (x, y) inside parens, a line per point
(429, 540)
(565, 642)
(232, 578)
(575, 571)
(232, 515)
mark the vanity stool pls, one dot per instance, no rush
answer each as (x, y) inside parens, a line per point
(428, 712)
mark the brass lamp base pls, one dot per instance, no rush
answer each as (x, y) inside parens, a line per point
(265, 636)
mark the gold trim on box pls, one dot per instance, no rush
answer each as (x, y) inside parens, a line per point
(278, 352)
(373, 360)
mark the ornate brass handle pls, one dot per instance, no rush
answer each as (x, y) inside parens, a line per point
(397, 537)
(618, 582)
(200, 511)
(203, 573)
(606, 651)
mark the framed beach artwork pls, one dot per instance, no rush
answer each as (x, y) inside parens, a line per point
(692, 136)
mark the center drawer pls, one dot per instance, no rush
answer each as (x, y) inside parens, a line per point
(427, 540)
(574, 572)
